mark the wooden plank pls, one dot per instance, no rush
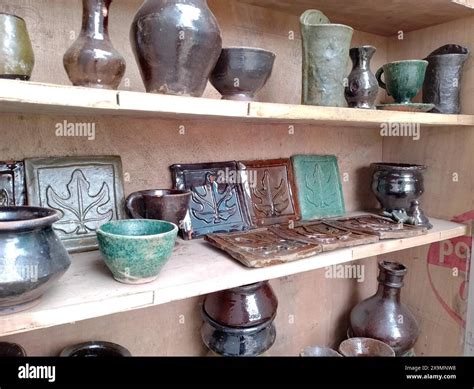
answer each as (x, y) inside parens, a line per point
(196, 268)
(382, 17)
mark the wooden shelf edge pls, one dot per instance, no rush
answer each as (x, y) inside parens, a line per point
(36, 98)
(88, 291)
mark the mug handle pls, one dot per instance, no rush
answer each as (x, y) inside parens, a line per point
(129, 202)
(378, 75)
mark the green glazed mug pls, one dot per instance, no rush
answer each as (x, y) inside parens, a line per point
(16, 52)
(403, 79)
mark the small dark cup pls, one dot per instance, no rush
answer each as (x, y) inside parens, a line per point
(95, 349)
(159, 204)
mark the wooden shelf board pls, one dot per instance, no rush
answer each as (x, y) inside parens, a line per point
(35, 98)
(88, 290)
(381, 17)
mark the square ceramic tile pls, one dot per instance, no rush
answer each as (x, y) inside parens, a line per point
(262, 247)
(88, 191)
(12, 184)
(217, 203)
(318, 184)
(270, 191)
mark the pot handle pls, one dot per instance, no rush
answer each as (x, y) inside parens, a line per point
(129, 205)
(378, 75)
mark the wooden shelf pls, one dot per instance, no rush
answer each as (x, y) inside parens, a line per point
(88, 290)
(35, 98)
(381, 17)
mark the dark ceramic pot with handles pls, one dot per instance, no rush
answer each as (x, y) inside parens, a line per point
(176, 45)
(33, 257)
(16, 52)
(398, 187)
(159, 204)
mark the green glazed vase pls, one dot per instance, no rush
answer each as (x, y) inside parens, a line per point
(403, 79)
(136, 250)
(16, 53)
(325, 60)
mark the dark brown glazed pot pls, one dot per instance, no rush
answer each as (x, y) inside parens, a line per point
(35, 256)
(241, 72)
(16, 53)
(160, 204)
(95, 349)
(245, 306)
(92, 61)
(383, 316)
(11, 350)
(176, 44)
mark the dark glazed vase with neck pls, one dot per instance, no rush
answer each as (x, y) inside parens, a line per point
(176, 44)
(383, 316)
(92, 61)
(362, 87)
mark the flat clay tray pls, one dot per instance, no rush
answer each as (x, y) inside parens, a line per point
(380, 226)
(324, 234)
(262, 247)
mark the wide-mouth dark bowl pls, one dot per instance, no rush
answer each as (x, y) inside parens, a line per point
(241, 72)
(170, 193)
(398, 166)
(27, 218)
(138, 229)
(244, 306)
(95, 349)
(11, 350)
(365, 347)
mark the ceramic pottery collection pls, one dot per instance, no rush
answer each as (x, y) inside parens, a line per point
(35, 257)
(398, 188)
(92, 61)
(239, 321)
(377, 317)
(16, 52)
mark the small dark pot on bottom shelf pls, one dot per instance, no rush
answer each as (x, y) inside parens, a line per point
(237, 342)
(12, 350)
(95, 349)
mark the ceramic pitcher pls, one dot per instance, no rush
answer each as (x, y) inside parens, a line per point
(325, 59)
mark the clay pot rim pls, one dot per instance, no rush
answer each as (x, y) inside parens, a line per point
(330, 352)
(407, 60)
(248, 48)
(398, 166)
(163, 193)
(327, 25)
(12, 15)
(383, 345)
(15, 346)
(363, 47)
(138, 237)
(69, 350)
(236, 330)
(46, 218)
(393, 267)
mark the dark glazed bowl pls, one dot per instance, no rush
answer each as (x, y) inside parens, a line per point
(241, 72)
(159, 204)
(95, 349)
(12, 350)
(365, 347)
(242, 307)
(32, 256)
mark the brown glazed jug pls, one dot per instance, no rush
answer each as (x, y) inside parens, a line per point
(92, 61)
(176, 44)
(383, 316)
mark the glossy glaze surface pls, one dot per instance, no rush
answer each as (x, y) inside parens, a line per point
(92, 61)
(176, 45)
(33, 258)
(365, 347)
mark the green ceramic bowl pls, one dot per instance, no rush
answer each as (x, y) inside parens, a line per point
(136, 250)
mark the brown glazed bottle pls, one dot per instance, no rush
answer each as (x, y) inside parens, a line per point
(92, 61)
(176, 44)
(383, 316)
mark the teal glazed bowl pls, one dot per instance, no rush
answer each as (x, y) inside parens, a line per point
(136, 250)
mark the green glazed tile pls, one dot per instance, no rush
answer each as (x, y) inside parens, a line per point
(319, 186)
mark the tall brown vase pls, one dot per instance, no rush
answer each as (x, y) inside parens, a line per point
(383, 316)
(92, 61)
(177, 44)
